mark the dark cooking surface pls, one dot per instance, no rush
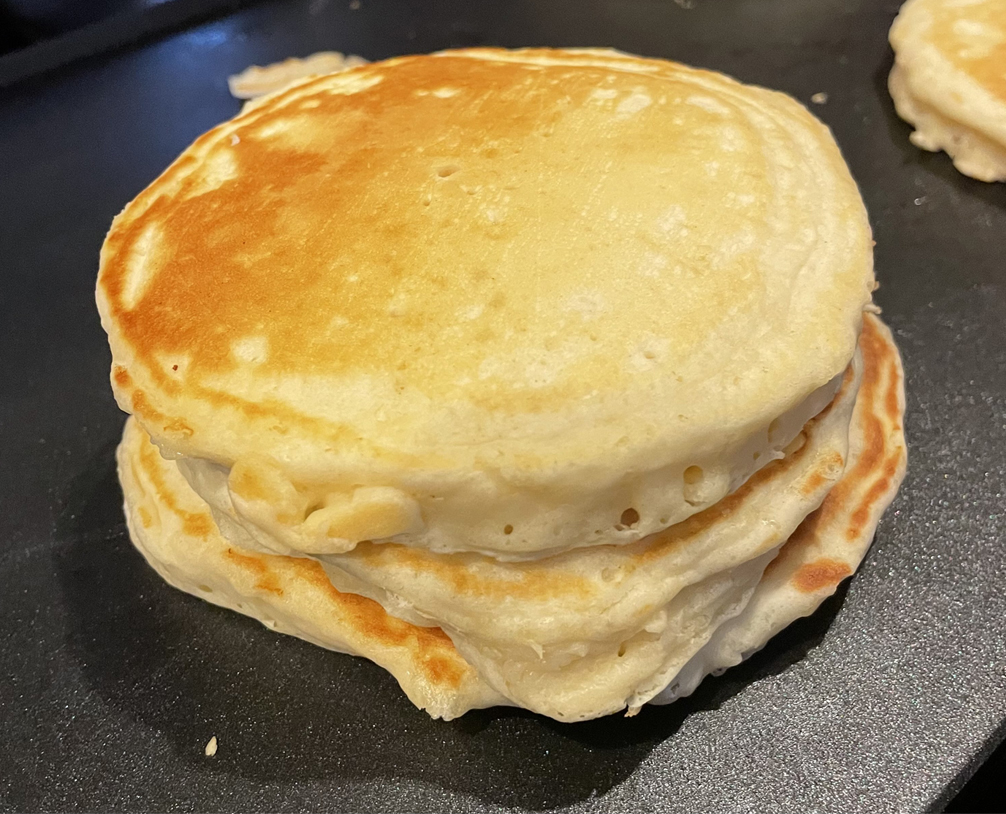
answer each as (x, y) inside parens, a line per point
(111, 683)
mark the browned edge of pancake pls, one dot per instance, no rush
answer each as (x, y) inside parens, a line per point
(853, 507)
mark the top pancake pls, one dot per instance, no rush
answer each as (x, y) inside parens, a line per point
(457, 294)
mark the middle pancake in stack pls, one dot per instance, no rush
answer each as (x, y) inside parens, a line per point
(506, 341)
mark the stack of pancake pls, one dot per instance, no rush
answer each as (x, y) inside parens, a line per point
(949, 80)
(542, 378)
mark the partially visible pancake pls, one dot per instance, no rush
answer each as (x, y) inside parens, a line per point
(256, 80)
(949, 80)
(504, 302)
(724, 613)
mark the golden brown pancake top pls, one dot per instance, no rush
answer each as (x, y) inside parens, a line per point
(511, 236)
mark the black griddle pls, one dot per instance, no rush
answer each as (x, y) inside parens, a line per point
(111, 683)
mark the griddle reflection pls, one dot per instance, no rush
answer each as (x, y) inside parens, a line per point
(286, 711)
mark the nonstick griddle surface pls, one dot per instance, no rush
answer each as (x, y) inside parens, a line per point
(111, 682)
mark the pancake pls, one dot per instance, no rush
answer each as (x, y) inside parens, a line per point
(391, 305)
(725, 617)
(949, 80)
(257, 80)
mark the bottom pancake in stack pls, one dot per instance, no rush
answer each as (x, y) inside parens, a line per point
(581, 634)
